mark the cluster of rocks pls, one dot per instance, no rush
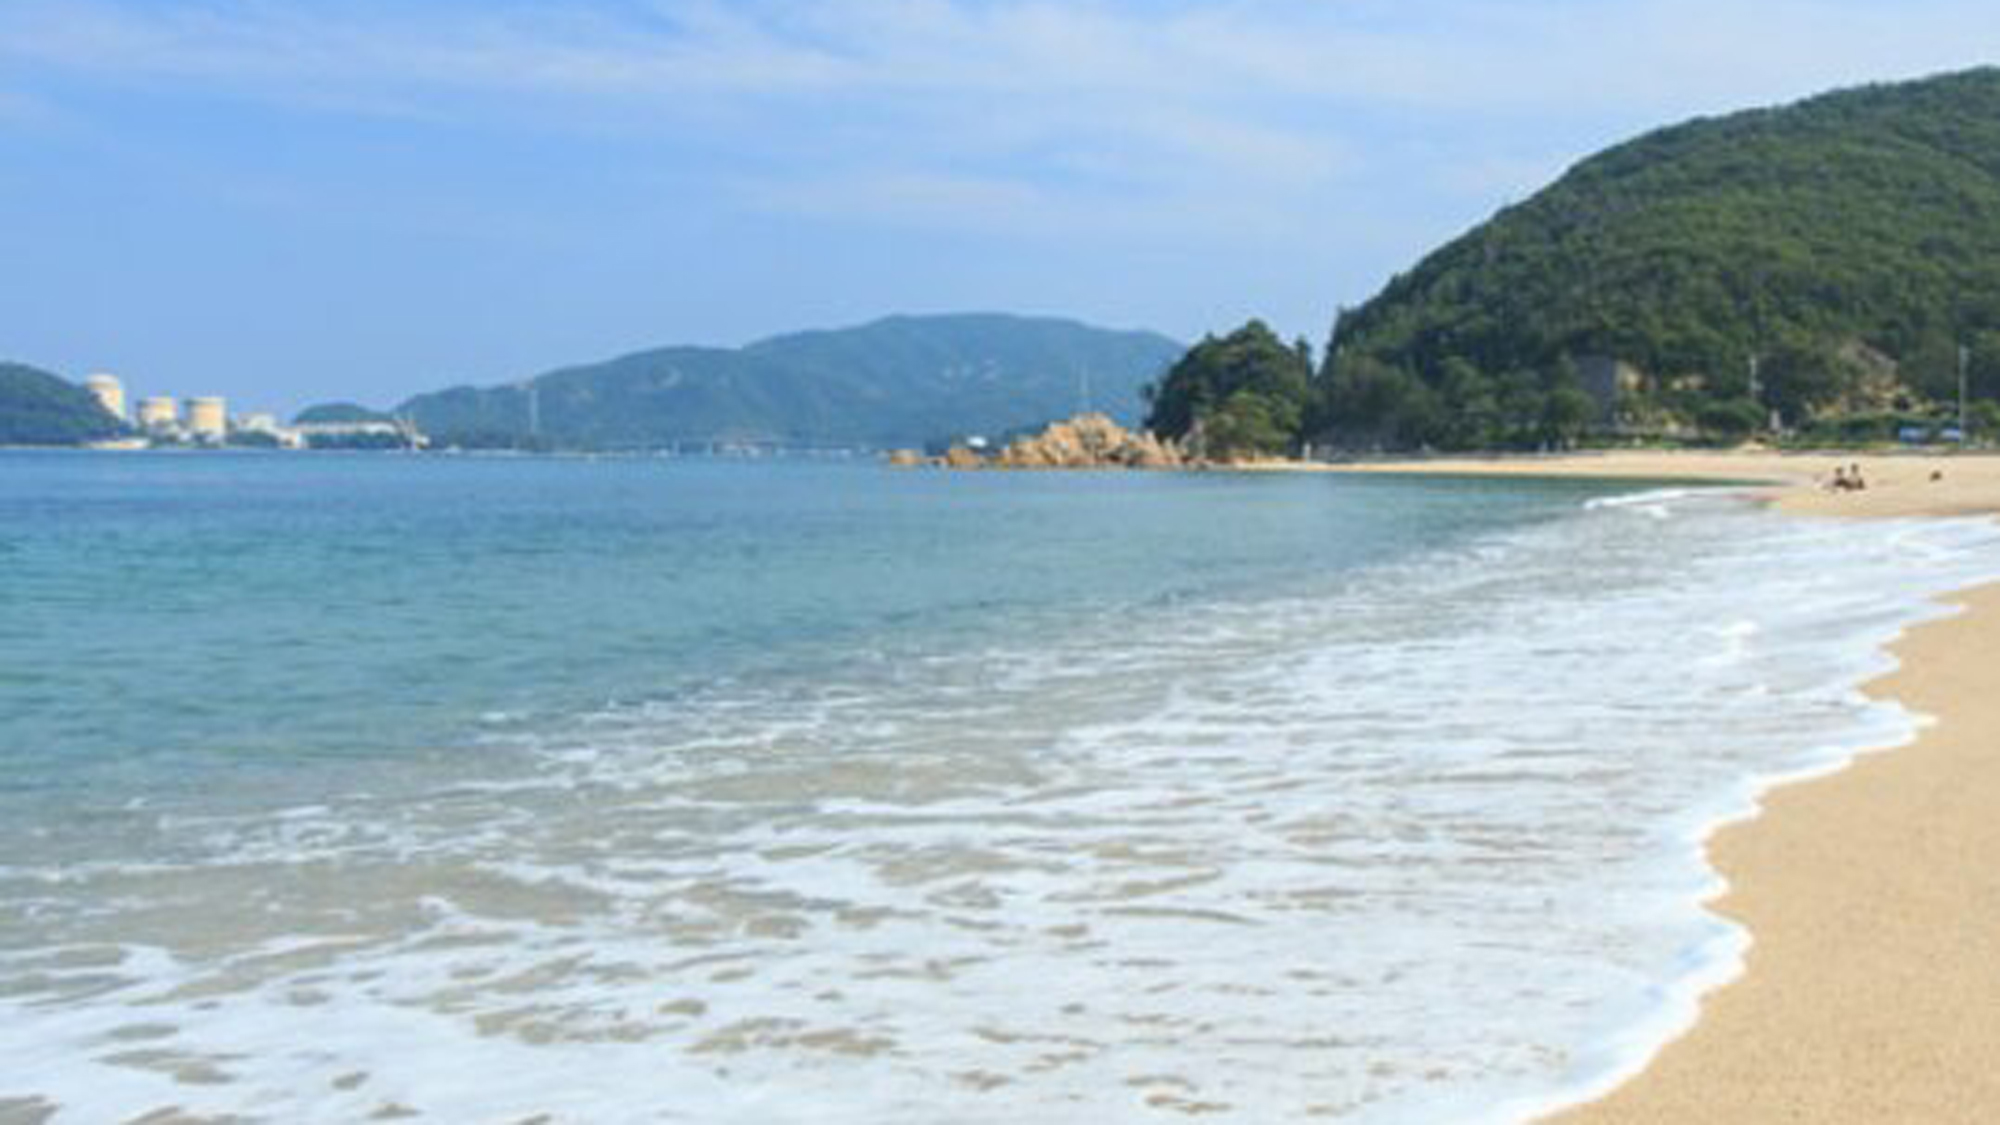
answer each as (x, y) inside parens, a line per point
(1087, 441)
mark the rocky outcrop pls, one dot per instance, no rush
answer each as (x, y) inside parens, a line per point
(959, 457)
(1087, 441)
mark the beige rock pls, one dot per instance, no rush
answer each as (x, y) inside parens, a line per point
(959, 457)
(1148, 452)
(1090, 441)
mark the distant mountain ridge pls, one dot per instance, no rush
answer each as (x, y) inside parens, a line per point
(901, 380)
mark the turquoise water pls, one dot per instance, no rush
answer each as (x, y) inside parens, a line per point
(162, 616)
(334, 788)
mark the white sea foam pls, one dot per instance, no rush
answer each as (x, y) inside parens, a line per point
(1648, 497)
(1423, 846)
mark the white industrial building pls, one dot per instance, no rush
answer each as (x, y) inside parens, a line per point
(208, 418)
(110, 393)
(158, 412)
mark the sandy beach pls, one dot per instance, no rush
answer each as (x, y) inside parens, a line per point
(1871, 992)
(1898, 485)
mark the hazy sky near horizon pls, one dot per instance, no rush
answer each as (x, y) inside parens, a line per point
(285, 201)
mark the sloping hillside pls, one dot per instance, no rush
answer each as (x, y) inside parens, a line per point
(37, 408)
(1847, 245)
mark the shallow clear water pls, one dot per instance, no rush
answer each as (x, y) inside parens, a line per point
(664, 791)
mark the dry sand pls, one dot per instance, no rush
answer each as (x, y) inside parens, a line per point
(1871, 992)
(1898, 484)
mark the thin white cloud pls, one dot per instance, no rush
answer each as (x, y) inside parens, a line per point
(1012, 108)
(1229, 56)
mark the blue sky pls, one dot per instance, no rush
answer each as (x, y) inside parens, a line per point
(285, 201)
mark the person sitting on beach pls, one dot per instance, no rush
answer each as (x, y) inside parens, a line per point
(1839, 481)
(1854, 480)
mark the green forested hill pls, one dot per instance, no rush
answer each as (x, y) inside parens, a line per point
(37, 408)
(1847, 245)
(338, 413)
(899, 381)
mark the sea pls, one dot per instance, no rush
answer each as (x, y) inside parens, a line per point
(348, 788)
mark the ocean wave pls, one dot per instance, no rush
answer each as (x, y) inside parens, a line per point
(1422, 842)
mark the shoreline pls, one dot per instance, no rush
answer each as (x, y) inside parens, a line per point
(1868, 988)
(1868, 983)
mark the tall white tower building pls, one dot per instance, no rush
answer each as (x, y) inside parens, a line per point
(208, 418)
(159, 412)
(109, 391)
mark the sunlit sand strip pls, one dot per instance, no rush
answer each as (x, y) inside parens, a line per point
(1872, 989)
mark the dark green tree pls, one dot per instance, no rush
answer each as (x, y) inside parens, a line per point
(1567, 412)
(1798, 380)
(1731, 419)
(1244, 394)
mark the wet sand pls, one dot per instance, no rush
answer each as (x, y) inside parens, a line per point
(1871, 992)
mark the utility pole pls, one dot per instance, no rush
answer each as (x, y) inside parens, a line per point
(1964, 368)
(1757, 393)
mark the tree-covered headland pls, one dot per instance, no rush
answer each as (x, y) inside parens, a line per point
(1825, 269)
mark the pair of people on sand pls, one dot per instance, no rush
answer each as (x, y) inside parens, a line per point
(1848, 479)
